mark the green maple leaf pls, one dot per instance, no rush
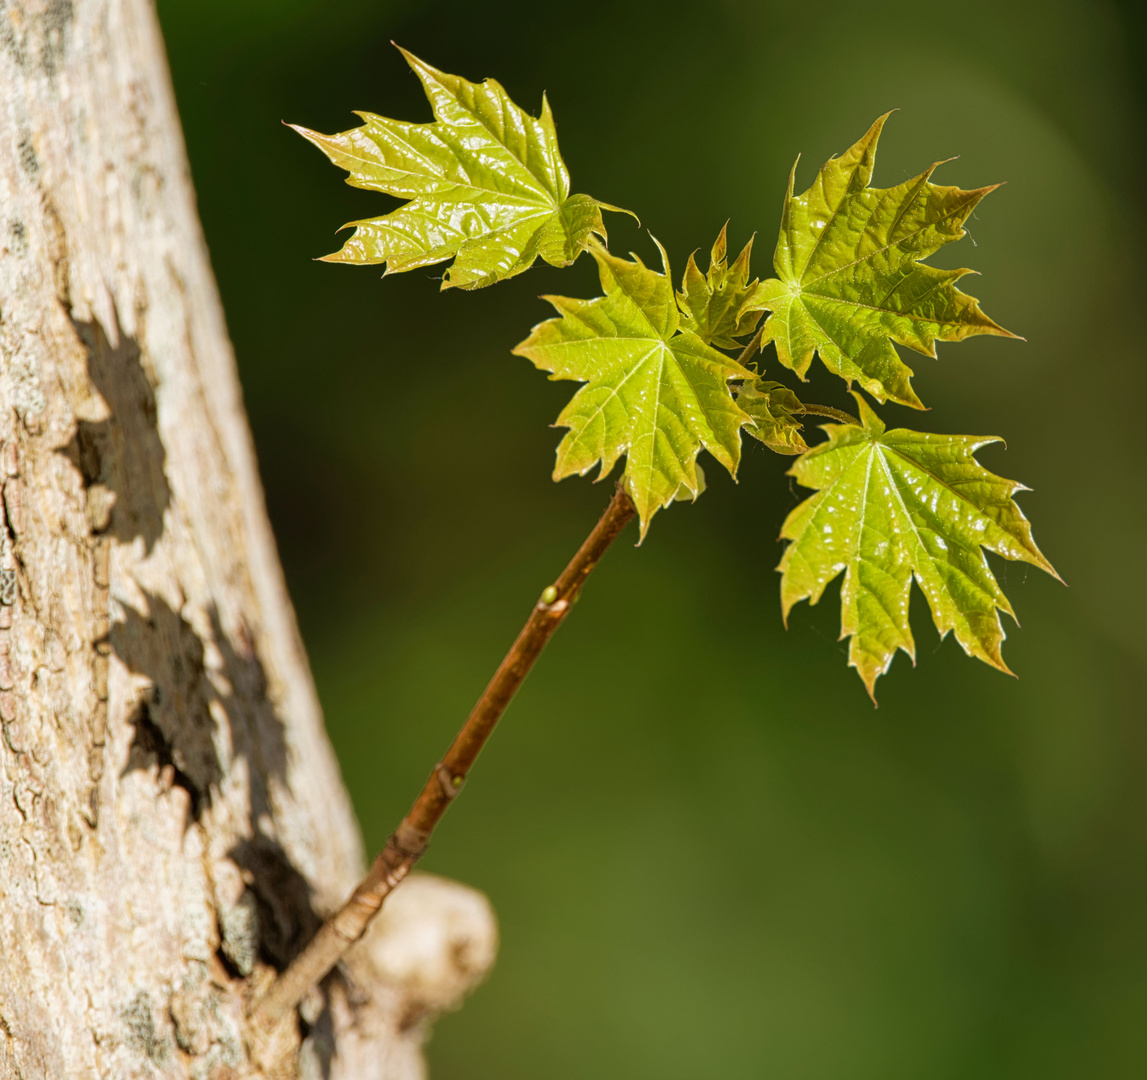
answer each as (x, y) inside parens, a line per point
(719, 306)
(896, 505)
(776, 413)
(486, 183)
(849, 281)
(654, 391)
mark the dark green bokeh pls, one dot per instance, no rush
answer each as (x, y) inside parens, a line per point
(710, 856)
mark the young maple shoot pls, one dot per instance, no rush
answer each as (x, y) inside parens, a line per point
(486, 186)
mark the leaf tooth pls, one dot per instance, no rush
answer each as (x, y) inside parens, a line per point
(740, 267)
(664, 256)
(869, 420)
(720, 248)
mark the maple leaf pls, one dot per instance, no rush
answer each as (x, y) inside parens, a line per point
(654, 391)
(776, 414)
(486, 183)
(719, 306)
(850, 283)
(896, 505)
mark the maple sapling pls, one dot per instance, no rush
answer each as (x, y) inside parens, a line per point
(666, 374)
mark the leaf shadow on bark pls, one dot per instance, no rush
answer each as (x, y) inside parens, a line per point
(177, 727)
(123, 452)
(178, 721)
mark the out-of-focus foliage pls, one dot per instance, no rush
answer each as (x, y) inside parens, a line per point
(486, 183)
(654, 391)
(896, 505)
(850, 280)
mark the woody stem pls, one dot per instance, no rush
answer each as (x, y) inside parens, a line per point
(407, 843)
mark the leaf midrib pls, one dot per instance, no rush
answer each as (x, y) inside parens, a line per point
(879, 251)
(543, 182)
(883, 311)
(977, 549)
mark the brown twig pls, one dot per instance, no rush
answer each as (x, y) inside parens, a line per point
(412, 836)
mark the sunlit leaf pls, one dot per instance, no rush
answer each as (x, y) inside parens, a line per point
(777, 415)
(719, 305)
(849, 281)
(486, 183)
(896, 505)
(654, 391)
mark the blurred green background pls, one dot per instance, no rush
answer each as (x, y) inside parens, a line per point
(710, 856)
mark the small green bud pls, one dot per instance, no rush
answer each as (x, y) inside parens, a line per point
(549, 594)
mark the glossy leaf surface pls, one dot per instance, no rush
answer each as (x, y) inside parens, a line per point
(720, 305)
(777, 415)
(485, 181)
(896, 505)
(849, 281)
(654, 391)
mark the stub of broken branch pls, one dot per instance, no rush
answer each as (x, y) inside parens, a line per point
(433, 944)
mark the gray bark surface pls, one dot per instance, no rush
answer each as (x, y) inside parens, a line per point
(173, 826)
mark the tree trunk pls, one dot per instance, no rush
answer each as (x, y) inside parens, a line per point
(172, 821)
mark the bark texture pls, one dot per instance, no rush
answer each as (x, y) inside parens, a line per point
(173, 826)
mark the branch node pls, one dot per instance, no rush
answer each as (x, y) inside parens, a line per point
(410, 841)
(450, 782)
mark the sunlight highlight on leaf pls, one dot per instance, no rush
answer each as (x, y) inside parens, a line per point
(893, 506)
(485, 181)
(654, 391)
(849, 281)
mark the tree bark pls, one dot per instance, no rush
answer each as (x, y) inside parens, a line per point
(173, 826)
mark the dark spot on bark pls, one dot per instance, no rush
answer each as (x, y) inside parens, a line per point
(177, 727)
(124, 452)
(151, 747)
(319, 1039)
(54, 24)
(287, 918)
(28, 160)
(8, 40)
(257, 730)
(413, 1014)
(17, 238)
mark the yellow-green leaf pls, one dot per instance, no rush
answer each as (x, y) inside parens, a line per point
(849, 281)
(776, 413)
(654, 391)
(485, 181)
(719, 305)
(896, 505)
